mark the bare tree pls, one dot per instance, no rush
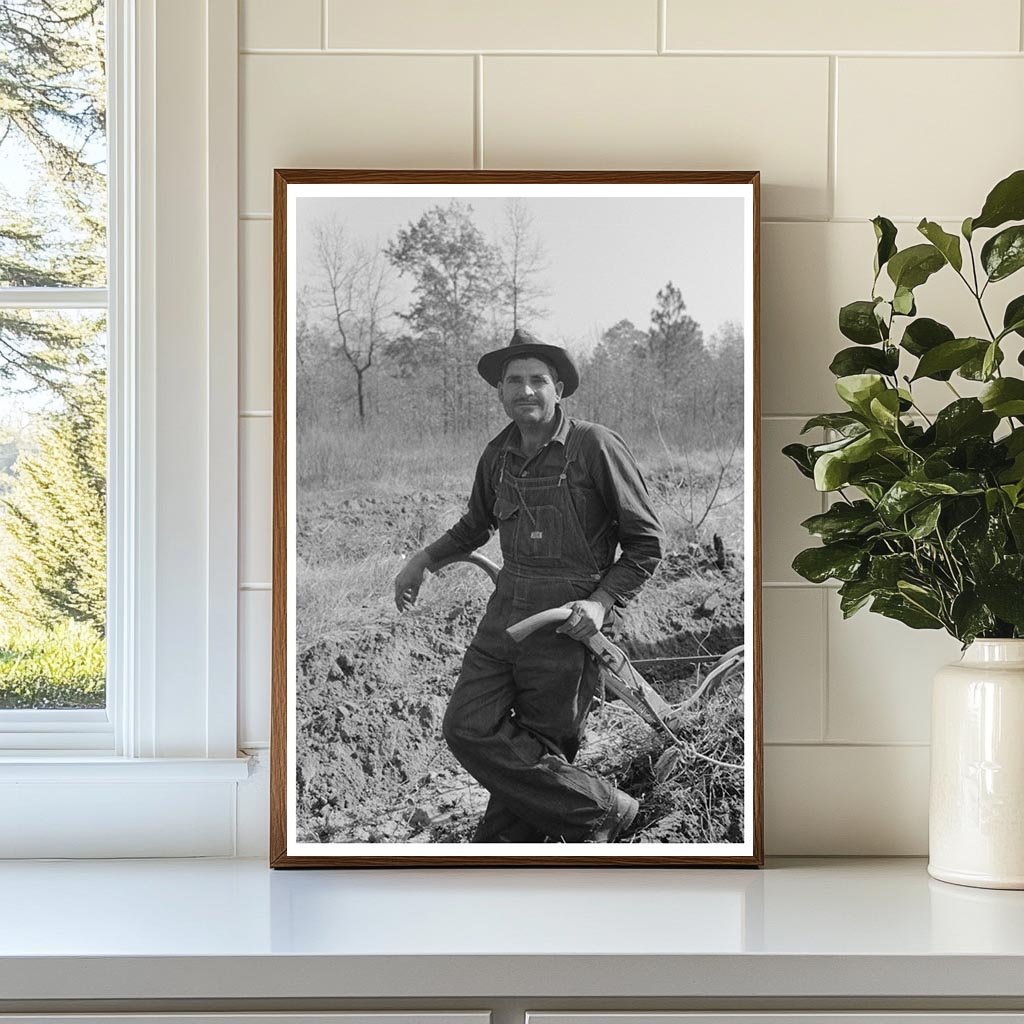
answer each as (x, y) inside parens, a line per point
(358, 299)
(522, 260)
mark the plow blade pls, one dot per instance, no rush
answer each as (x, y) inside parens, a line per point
(620, 677)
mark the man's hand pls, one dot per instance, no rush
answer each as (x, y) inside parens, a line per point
(587, 619)
(409, 581)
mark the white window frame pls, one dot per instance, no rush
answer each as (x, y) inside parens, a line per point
(169, 736)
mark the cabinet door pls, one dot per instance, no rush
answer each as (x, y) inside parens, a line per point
(785, 1017)
(356, 1017)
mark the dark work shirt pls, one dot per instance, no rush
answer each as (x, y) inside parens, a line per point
(607, 491)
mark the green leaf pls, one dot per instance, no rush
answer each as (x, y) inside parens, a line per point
(950, 355)
(1014, 441)
(858, 389)
(964, 482)
(857, 322)
(906, 494)
(990, 360)
(898, 608)
(925, 518)
(817, 450)
(833, 420)
(903, 302)
(850, 361)
(1005, 202)
(947, 244)
(799, 455)
(1005, 596)
(1013, 317)
(1003, 254)
(843, 521)
(970, 617)
(854, 595)
(885, 409)
(966, 417)
(995, 499)
(912, 267)
(887, 570)
(885, 236)
(923, 335)
(1015, 492)
(864, 447)
(1015, 519)
(1004, 397)
(831, 471)
(965, 229)
(833, 561)
(974, 368)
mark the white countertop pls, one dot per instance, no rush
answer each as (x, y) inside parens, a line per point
(234, 929)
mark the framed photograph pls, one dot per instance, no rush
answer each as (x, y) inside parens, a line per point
(516, 587)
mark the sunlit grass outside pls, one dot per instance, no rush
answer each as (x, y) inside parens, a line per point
(60, 667)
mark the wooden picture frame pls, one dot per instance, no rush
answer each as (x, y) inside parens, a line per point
(379, 417)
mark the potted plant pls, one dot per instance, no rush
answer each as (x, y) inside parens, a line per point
(927, 521)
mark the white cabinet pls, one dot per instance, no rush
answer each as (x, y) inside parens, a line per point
(785, 1017)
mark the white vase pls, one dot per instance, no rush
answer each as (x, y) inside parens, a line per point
(976, 813)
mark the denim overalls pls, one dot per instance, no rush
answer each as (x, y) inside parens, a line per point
(515, 718)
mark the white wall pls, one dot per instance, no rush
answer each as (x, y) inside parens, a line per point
(909, 110)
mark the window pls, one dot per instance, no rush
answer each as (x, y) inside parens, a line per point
(155, 771)
(53, 371)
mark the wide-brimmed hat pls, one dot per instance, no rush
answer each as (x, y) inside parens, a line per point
(522, 346)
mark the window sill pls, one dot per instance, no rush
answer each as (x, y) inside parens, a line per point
(77, 766)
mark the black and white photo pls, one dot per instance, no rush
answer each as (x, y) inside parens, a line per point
(516, 564)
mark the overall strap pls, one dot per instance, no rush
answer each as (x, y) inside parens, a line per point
(573, 447)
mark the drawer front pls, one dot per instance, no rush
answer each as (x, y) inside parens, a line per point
(357, 1017)
(786, 1017)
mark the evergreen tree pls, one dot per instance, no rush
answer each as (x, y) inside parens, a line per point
(52, 123)
(53, 521)
(53, 234)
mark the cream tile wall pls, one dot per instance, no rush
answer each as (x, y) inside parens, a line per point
(908, 110)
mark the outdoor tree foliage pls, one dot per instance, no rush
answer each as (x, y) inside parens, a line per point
(522, 262)
(356, 294)
(406, 355)
(54, 548)
(928, 525)
(52, 235)
(53, 115)
(455, 273)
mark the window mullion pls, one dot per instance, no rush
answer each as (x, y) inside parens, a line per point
(53, 298)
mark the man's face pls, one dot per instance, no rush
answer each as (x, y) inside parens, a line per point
(528, 392)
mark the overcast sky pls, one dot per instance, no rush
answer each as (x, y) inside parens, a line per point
(605, 258)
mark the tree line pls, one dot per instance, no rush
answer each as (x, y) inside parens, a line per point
(53, 493)
(365, 358)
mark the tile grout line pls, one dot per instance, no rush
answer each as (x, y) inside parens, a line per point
(478, 111)
(323, 24)
(824, 715)
(831, 170)
(854, 744)
(261, 51)
(1020, 25)
(826, 690)
(662, 42)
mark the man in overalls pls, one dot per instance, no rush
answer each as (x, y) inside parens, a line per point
(564, 495)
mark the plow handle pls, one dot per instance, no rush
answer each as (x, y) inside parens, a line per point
(474, 558)
(523, 629)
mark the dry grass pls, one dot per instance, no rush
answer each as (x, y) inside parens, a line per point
(373, 683)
